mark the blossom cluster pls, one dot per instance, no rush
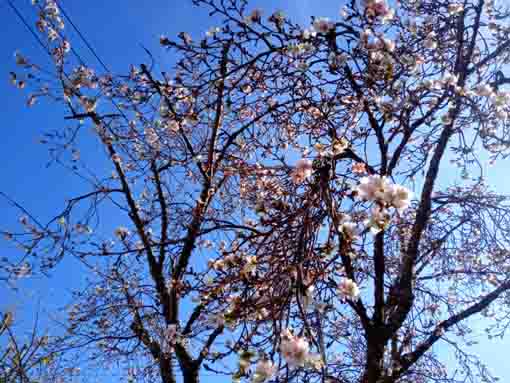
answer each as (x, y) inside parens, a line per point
(379, 9)
(302, 171)
(51, 23)
(294, 349)
(379, 189)
(247, 264)
(385, 194)
(122, 232)
(322, 25)
(264, 370)
(348, 228)
(254, 17)
(349, 289)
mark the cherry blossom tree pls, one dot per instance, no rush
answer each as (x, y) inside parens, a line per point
(282, 198)
(29, 357)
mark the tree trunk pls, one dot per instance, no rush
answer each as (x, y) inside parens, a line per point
(165, 368)
(375, 361)
(191, 375)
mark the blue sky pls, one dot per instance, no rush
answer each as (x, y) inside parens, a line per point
(115, 29)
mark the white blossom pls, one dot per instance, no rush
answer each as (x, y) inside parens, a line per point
(212, 31)
(302, 171)
(372, 187)
(455, 8)
(399, 197)
(121, 232)
(430, 41)
(484, 90)
(169, 338)
(348, 289)
(450, 79)
(349, 230)
(323, 25)
(264, 370)
(379, 189)
(379, 8)
(307, 297)
(389, 44)
(250, 266)
(337, 60)
(501, 114)
(294, 349)
(378, 220)
(309, 33)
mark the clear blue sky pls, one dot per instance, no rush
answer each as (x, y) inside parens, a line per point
(116, 29)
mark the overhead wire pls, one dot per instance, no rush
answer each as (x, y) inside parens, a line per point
(89, 46)
(46, 49)
(24, 21)
(80, 34)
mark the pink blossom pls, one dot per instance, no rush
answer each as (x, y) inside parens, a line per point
(303, 170)
(294, 349)
(348, 289)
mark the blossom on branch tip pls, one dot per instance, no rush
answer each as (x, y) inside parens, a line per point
(430, 41)
(349, 230)
(484, 90)
(254, 17)
(278, 18)
(400, 197)
(294, 349)
(379, 189)
(372, 187)
(31, 100)
(212, 31)
(309, 33)
(378, 8)
(378, 221)
(302, 171)
(455, 8)
(337, 60)
(323, 25)
(264, 370)
(250, 266)
(122, 232)
(359, 168)
(348, 289)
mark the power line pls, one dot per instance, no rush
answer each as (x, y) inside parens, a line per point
(24, 21)
(36, 36)
(83, 37)
(89, 46)
(46, 48)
